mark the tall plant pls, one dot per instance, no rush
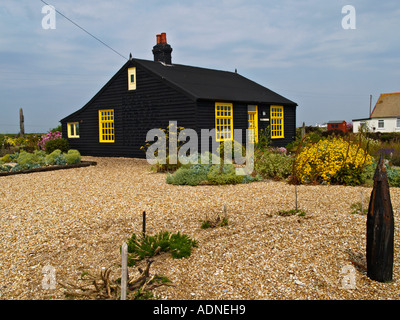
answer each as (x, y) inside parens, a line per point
(47, 137)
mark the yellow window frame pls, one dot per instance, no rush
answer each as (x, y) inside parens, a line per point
(252, 117)
(277, 122)
(132, 78)
(223, 121)
(72, 129)
(106, 126)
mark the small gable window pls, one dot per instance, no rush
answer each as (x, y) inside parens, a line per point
(73, 129)
(132, 78)
(277, 128)
(106, 126)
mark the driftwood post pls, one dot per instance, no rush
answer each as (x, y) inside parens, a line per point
(144, 224)
(21, 123)
(380, 229)
(124, 270)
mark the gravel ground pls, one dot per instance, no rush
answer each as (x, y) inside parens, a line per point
(77, 219)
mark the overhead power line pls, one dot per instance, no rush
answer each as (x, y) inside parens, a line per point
(83, 29)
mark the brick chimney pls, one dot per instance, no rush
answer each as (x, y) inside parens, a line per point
(162, 50)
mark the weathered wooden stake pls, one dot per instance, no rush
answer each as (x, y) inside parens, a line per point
(380, 229)
(144, 224)
(124, 270)
(21, 123)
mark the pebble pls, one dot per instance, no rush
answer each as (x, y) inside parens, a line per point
(76, 220)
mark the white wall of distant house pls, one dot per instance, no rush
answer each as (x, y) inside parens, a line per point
(378, 124)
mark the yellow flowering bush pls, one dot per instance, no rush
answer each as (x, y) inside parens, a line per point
(332, 160)
(18, 141)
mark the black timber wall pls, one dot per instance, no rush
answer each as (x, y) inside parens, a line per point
(152, 105)
(206, 120)
(289, 119)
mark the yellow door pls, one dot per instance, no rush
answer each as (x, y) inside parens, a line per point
(253, 123)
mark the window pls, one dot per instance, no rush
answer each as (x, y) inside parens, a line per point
(106, 126)
(398, 123)
(132, 78)
(252, 112)
(224, 121)
(73, 129)
(381, 123)
(277, 129)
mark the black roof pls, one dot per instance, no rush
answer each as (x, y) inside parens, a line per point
(203, 84)
(209, 84)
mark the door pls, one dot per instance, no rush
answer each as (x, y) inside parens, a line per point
(252, 116)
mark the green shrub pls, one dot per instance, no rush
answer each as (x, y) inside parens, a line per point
(264, 139)
(196, 174)
(393, 174)
(25, 159)
(396, 157)
(273, 165)
(73, 156)
(234, 147)
(180, 246)
(60, 144)
(395, 181)
(227, 176)
(56, 158)
(5, 168)
(191, 175)
(5, 159)
(37, 158)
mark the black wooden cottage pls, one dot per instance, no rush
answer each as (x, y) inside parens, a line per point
(146, 95)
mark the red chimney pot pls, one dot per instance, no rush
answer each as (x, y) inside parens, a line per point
(163, 38)
(158, 38)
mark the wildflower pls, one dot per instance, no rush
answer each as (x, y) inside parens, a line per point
(49, 136)
(331, 161)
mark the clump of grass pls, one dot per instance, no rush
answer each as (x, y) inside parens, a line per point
(178, 244)
(357, 209)
(293, 212)
(214, 223)
(217, 221)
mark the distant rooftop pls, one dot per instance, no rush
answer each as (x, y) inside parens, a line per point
(387, 106)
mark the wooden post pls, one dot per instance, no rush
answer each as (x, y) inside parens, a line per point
(124, 270)
(380, 228)
(295, 190)
(144, 224)
(21, 123)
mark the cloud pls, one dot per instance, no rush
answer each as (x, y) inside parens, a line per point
(297, 47)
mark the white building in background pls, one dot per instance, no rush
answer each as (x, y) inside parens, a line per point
(385, 117)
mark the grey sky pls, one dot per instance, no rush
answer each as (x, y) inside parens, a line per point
(296, 48)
